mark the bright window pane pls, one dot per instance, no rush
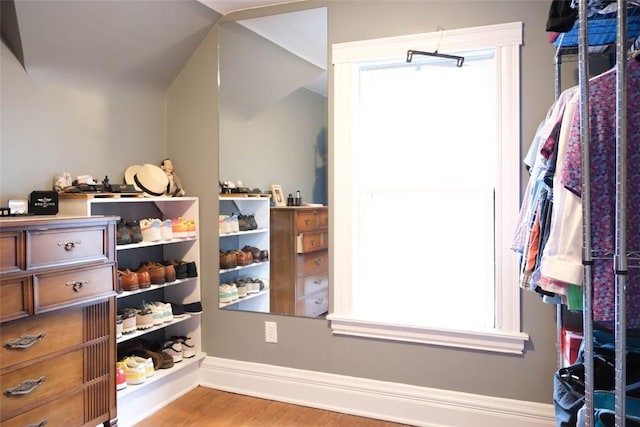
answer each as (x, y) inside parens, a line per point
(425, 162)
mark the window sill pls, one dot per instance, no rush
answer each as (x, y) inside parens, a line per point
(494, 341)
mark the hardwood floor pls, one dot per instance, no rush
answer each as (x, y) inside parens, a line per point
(203, 407)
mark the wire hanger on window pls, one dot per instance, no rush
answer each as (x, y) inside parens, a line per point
(459, 59)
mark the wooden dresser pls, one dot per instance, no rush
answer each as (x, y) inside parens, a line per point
(299, 261)
(57, 321)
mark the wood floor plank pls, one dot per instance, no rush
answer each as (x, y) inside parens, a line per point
(205, 407)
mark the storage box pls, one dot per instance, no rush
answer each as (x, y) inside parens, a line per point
(571, 340)
(43, 203)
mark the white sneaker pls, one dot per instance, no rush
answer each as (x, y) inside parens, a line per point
(188, 347)
(174, 349)
(225, 293)
(150, 228)
(166, 230)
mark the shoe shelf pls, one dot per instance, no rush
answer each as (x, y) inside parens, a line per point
(126, 294)
(245, 299)
(180, 291)
(257, 238)
(244, 233)
(159, 243)
(159, 375)
(140, 332)
(244, 267)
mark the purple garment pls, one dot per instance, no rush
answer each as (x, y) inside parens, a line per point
(602, 101)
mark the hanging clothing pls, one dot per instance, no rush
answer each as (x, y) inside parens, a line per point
(602, 100)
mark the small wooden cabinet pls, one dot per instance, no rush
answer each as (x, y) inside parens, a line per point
(299, 261)
(57, 316)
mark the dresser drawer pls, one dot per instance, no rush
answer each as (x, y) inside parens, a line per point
(27, 339)
(53, 290)
(307, 220)
(64, 246)
(312, 263)
(66, 411)
(16, 298)
(313, 305)
(311, 284)
(11, 252)
(311, 241)
(41, 380)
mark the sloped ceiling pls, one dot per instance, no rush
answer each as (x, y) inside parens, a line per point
(108, 40)
(134, 41)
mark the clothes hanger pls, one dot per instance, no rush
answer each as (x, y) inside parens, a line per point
(459, 59)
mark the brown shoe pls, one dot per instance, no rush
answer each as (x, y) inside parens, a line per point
(155, 271)
(243, 258)
(129, 280)
(144, 279)
(228, 260)
(169, 273)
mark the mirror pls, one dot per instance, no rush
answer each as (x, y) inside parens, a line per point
(273, 131)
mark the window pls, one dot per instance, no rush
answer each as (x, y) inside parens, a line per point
(426, 168)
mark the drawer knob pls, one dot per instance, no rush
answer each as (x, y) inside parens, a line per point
(77, 285)
(69, 245)
(24, 341)
(318, 261)
(307, 222)
(319, 301)
(26, 387)
(317, 281)
(40, 424)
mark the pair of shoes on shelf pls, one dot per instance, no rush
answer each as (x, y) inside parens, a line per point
(227, 292)
(183, 228)
(228, 224)
(187, 345)
(247, 222)
(128, 232)
(228, 260)
(146, 349)
(151, 229)
(183, 269)
(192, 308)
(259, 255)
(159, 273)
(136, 369)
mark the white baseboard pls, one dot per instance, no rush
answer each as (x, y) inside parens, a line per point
(401, 403)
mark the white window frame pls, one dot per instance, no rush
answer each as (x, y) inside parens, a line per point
(506, 39)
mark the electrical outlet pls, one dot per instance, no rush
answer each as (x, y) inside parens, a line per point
(271, 332)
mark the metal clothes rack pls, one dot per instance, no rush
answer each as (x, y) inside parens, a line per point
(621, 256)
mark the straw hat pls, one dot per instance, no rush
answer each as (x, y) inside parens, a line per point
(148, 178)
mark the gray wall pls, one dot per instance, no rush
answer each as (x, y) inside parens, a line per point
(58, 127)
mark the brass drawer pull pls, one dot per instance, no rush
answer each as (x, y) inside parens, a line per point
(77, 285)
(307, 222)
(40, 424)
(26, 387)
(69, 245)
(23, 342)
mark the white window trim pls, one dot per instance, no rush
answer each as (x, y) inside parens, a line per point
(506, 39)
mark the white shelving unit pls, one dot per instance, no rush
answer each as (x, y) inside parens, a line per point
(259, 238)
(137, 401)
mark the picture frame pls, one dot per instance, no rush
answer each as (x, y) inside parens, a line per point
(278, 195)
